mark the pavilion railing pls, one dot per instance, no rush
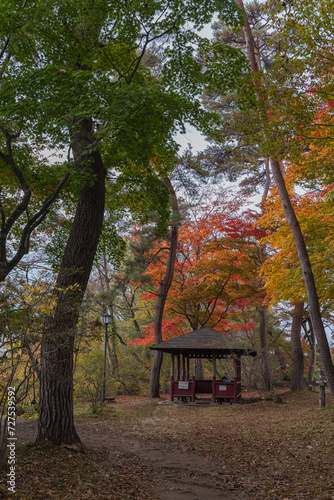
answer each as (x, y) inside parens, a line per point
(220, 390)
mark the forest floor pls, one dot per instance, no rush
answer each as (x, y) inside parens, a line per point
(154, 450)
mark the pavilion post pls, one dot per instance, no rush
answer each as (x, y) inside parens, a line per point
(187, 372)
(213, 378)
(178, 366)
(183, 367)
(171, 376)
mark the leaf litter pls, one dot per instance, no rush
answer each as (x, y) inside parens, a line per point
(145, 450)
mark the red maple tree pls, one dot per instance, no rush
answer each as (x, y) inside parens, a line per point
(216, 272)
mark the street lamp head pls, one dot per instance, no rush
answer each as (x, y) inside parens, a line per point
(107, 318)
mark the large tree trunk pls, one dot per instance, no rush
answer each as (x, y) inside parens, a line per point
(297, 379)
(267, 382)
(154, 387)
(313, 300)
(56, 423)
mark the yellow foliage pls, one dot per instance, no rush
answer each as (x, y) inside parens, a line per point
(281, 272)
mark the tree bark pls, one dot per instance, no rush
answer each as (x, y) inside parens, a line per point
(267, 382)
(154, 387)
(250, 44)
(56, 422)
(297, 378)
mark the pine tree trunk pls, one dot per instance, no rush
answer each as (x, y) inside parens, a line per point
(297, 379)
(56, 422)
(265, 366)
(154, 387)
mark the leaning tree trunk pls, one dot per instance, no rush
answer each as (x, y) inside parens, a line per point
(56, 422)
(154, 387)
(267, 382)
(312, 295)
(297, 378)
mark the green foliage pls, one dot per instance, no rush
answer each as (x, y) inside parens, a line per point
(147, 198)
(227, 70)
(133, 376)
(90, 63)
(88, 379)
(66, 62)
(111, 245)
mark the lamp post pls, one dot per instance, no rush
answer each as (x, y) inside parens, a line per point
(106, 320)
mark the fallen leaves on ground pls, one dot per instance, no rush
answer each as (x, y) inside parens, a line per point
(259, 450)
(52, 472)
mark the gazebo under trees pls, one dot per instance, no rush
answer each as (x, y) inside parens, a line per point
(204, 343)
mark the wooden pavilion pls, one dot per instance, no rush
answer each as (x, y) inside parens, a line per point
(205, 343)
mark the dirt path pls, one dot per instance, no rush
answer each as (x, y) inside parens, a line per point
(176, 474)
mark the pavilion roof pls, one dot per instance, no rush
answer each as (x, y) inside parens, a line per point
(203, 343)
